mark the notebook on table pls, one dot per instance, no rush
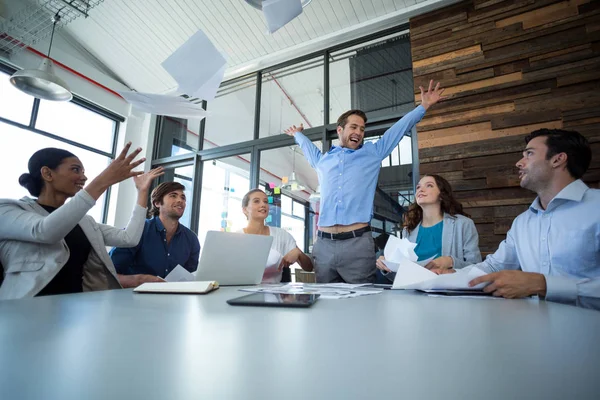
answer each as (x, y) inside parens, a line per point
(195, 287)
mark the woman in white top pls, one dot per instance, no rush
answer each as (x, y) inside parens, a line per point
(284, 251)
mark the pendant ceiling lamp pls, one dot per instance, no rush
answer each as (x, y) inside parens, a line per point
(43, 82)
(258, 3)
(293, 184)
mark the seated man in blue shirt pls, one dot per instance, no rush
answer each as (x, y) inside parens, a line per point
(552, 249)
(164, 243)
(344, 250)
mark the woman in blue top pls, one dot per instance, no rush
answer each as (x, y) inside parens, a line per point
(440, 227)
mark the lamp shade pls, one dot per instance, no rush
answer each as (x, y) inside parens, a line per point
(293, 184)
(42, 82)
(258, 3)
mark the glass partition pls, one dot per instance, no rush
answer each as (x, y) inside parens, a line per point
(231, 114)
(177, 136)
(291, 96)
(224, 182)
(375, 77)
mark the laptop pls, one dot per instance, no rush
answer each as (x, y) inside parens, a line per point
(233, 259)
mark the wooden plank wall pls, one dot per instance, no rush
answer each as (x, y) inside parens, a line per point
(509, 67)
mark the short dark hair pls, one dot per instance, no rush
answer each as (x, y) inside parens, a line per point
(246, 198)
(160, 192)
(573, 144)
(343, 119)
(50, 157)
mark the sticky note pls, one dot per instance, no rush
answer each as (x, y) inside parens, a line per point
(269, 218)
(270, 199)
(232, 190)
(229, 223)
(271, 185)
(223, 224)
(227, 229)
(284, 180)
(224, 214)
(277, 190)
(294, 186)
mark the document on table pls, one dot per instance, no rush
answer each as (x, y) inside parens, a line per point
(180, 274)
(280, 12)
(413, 276)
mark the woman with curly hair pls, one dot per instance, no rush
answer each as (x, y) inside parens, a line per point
(440, 227)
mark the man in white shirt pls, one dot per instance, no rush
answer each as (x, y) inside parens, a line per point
(552, 249)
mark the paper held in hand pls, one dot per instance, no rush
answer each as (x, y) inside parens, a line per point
(400, 249)
(412, 276)
(400, 257)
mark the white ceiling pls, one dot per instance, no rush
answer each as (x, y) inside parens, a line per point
(133, 37)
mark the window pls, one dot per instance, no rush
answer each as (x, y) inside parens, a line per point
(14, 104)
(231, 114)
(224, 183)
(375, 77)
(87, 134)
(73, 122)
(177, 136)
(291, 96)
(19, 144)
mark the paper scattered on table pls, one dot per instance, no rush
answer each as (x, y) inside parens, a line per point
(197, 67)
(314, 288)
(348, 286)
(397, 249)
(161, 104)
(180, 274)
(280, 12)
(412, 276)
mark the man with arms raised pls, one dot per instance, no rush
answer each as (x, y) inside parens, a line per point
(344, 250)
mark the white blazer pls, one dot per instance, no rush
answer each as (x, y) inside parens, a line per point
(33, 249)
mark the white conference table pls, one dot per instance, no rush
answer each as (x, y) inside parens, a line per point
(121, 345)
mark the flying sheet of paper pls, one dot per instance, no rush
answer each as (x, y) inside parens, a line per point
(180, 274)
(412, 276)
(396, 250)
(208, 91)
(161, 104)
(280, 12)
(197, 67)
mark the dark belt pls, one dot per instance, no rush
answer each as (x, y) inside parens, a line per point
(344, 235)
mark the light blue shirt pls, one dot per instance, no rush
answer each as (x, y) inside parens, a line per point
(561, 242)
(348, 178)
